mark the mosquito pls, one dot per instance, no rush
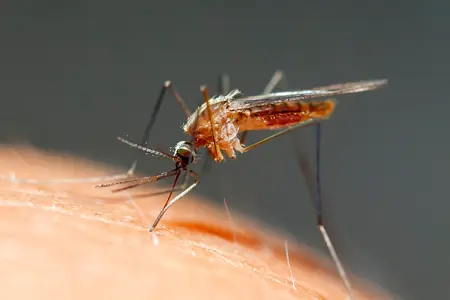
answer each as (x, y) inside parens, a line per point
(216, 124)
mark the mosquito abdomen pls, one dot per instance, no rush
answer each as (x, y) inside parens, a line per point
(285, 114)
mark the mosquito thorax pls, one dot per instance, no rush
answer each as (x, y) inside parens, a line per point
(185, 152)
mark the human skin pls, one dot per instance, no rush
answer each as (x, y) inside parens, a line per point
(72, 241)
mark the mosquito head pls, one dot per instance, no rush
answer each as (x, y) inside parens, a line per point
(185, 153)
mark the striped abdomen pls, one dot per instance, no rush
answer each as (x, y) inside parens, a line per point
(285, 114)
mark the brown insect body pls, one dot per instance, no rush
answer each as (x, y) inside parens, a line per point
(281, 115)
(199, 126)
(230, 119)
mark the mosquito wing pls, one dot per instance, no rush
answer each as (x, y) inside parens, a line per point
(317, 92)
(354, 87)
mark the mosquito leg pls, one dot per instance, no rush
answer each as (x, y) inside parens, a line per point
(167, 86)
(242, 149)
(149, 126)
(322, 229)
(223, 88)
(170, 202)
(314, 186)
(277, 78)
(218, 154)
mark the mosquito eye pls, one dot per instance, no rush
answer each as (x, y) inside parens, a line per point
(184, 152)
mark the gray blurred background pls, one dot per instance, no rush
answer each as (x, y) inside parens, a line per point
(75, 75)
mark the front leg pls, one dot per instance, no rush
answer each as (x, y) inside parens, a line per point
(216, 155)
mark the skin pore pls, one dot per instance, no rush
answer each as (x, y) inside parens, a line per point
(71, 241)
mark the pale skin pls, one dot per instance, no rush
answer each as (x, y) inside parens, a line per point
(58, 242)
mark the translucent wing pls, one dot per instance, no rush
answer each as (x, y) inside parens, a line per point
(317, 92)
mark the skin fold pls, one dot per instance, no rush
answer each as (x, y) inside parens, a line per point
(71, 241)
